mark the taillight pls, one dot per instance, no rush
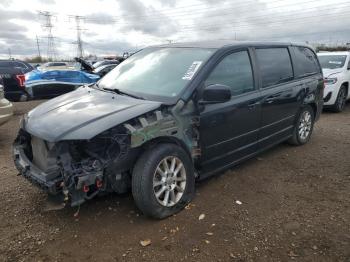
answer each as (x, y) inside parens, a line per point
(20, 79)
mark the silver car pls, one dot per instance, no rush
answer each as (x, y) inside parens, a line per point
(6, 108)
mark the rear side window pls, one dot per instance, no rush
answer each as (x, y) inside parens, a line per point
(5, 64)
(58, 64)
(305, 62)
(275, 66)
(234, 71)
(21, 65)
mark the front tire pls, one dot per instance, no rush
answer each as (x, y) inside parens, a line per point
(163, 181)
(303, 127)
(341, 100)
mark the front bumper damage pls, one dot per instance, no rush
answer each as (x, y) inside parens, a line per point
(34, 174)
(58, 170)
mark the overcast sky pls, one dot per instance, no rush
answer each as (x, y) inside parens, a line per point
(115, 26)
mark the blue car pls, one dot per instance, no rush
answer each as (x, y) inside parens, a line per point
(47, 84)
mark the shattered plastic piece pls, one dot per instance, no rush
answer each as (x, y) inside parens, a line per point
(145, 242)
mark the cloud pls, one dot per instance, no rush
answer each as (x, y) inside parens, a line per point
(114, 26)
(168, 3)
(99, 18)
(5, 3)
(14, 34)
(109, 47)
(142, 18)
(48, 2)
(23, 15)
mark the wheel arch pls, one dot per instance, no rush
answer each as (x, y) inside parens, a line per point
(346, 84)
(313, 105)
(166, 140)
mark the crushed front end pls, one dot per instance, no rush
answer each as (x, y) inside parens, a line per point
(75, 171)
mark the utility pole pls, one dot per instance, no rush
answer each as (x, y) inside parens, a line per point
(37, 44)
(51, 51)
(10, 53)
(79, 42)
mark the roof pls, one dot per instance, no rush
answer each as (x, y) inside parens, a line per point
(227, 43)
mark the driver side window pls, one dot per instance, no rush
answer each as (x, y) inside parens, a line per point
(234, 71)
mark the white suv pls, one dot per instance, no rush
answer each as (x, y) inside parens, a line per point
(336, 71)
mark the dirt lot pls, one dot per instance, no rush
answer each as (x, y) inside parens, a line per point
(295, 206)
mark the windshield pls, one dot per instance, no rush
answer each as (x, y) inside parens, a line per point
(156, 73)
(332, 61)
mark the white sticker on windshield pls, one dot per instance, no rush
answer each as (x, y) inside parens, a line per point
(335, 62)
(192, 70)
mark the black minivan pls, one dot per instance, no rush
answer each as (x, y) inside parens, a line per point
(168, 116)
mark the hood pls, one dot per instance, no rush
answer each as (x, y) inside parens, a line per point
(83, 114)
(85, 65)
(329, 72)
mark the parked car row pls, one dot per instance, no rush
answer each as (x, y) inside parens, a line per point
(22, 81)
(47, 84)
(168, 116)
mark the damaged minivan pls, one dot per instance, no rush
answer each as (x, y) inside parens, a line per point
(168, 116)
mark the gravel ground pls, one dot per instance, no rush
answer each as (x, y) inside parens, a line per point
(295, 205)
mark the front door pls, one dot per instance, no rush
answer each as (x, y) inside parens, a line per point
(229, 131)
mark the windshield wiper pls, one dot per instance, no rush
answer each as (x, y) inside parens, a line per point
(119, 92)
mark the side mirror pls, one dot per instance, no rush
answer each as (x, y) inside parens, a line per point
(217, 93)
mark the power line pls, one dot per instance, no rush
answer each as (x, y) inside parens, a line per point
(222, 12)
(79, 42)
(270, 24)
(37, 43)
(291, 15)
(47, 25)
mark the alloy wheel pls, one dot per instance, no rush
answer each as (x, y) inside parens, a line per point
(341, 99)
(305, 125)
(169, 181)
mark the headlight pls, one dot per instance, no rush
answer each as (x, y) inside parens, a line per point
(330, 81)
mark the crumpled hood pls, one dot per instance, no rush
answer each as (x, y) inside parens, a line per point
(330, 72)
(83, 114)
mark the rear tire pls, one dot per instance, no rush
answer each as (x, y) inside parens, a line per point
(163, 181)
(341, 100)
(303, 127)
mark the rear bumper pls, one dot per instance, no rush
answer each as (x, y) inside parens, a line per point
(33, 173)
(6, 110)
